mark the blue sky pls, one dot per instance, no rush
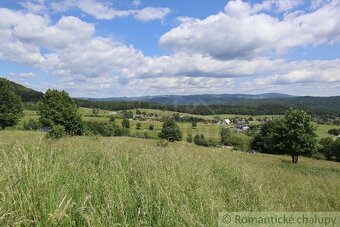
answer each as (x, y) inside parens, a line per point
(99, 48)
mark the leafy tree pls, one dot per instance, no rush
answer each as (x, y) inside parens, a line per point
(327, 148)
(170, 131)
(194, 124)
(151, 127)
(138, 112)
(126, 123)
(10, 105)
(299, 135)
(293, 134)
(58, 108)
(138, 125)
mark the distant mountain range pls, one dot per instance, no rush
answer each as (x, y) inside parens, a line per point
(211, 99)
(306, 102)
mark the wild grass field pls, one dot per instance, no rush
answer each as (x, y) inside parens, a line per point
(99, 181)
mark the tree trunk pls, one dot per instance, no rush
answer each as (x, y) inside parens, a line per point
(295, 158)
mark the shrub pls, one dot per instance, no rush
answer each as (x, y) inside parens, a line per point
(126, 123)
(146, 135)
(112, 118)
(199, 140)
(56, 132)
(334, 131)
(189, 138)
(32, 125)
(138, 125)
(104, 129)
(194, 124)
(151, 127)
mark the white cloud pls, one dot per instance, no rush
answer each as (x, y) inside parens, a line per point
(229, 52)
(106, 11)
(239, 32)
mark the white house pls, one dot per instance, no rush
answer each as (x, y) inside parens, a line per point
(227, 121)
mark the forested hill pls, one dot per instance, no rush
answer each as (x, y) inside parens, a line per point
(26, 94)
(234, 101)
(272, 103)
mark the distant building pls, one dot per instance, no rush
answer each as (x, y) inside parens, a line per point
(227, 121)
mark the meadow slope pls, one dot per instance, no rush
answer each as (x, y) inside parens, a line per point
(128, 181)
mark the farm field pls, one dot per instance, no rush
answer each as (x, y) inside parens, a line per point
(211, 131)
(128, 181)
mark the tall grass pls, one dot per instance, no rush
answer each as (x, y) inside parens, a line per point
(127, 181)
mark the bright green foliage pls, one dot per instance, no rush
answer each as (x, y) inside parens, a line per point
(238, 141)
(56, 132)
(170, 131)
(293, 134)
(10, 105)
(126, 123)
(32, 125)
(58, 108)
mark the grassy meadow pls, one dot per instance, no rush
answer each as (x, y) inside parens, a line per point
(98, 181)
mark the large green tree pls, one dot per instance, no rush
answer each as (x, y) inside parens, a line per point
(294, 134)
(58, 108)
(170, 131)
(10, 105)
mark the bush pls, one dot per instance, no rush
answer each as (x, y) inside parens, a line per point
(199, 140)
(56, 132)
(104, 129)
(189, 138)
(126, 123)
(138, 125)
(334, 131)
(194, 124)
(112, 118)
(32, 125)
(151, 127)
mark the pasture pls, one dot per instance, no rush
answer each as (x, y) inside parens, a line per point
(101, 181)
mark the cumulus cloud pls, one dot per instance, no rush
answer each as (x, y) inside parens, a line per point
(106, 11)
(230, 52)
(241, 31)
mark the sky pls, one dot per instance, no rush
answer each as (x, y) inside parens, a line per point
(101, 48)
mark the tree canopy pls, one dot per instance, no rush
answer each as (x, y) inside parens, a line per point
(10, 105)
(170, 131)
(58, 108)
(293, 134)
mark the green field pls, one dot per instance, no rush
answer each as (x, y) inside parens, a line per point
(128, 181)
(210, 131)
